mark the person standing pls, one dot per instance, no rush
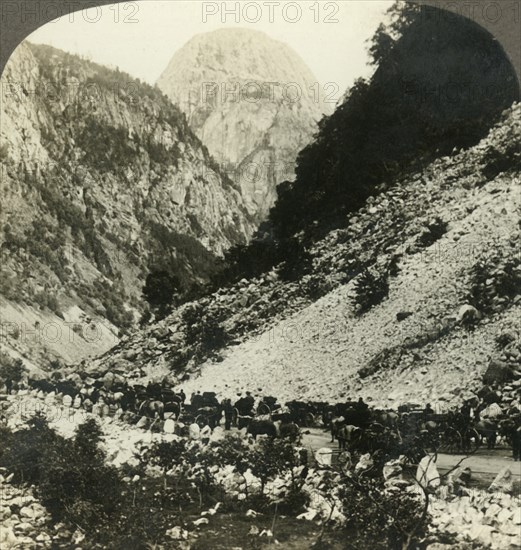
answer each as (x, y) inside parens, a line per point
(228, 414)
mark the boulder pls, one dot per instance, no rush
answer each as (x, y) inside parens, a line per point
(324, 456)
(503, 482)
(468, 314)
(194, 431)
(498, 372)
(177, 533)
(218, 434)
(142, 422)
(364, 463)
(460, 476)
(492, 411)
(169, 426)
(392, 469)
(402, 315)
(108, 380)
(427, 473)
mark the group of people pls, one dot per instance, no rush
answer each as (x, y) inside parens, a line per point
(347, 421)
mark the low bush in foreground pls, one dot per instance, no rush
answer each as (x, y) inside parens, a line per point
(173, 481)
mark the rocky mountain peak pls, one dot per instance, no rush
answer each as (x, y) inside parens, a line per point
(252, 101)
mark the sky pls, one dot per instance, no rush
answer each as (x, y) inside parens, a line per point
(140, 37)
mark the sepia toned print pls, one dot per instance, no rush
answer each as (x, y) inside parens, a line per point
(260, 276)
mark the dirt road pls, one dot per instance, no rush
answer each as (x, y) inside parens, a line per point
(485, 464)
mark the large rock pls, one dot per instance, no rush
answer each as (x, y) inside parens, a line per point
(143, 422)
(194, 431)
(427, 474)
(468, 314)
(504, 482)
(324, 456)
(498, 372)
(169, 426)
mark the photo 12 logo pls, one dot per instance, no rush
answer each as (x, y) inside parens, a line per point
(255, 12)
(219, 93)
(73, 12)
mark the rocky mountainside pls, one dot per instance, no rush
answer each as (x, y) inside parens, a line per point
(252, 101)
(102, 182)
(443, 244)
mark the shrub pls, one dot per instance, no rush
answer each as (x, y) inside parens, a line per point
(23, 453)
(79, 489)
(275, 457)
(296, 260)
(165, 454)
(204, 331)
(159, 291)
(72, 480)
(371, 288)
(316, 287)
(380, 519)
(11, 370)
(502, 157)
(495, 280)
(8, 287)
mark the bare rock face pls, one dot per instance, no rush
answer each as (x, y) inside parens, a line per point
(102, 182)
(252, 101)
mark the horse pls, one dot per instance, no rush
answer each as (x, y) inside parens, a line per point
(335, 425)
(348, 435)
(487, 429)
(302, 413)
(288, 429)
(173, 407)
(152, 408)
(262, 427)
(387, 418)
(211, 415)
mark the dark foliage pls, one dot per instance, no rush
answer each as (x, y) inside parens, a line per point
(297, 261)
(106, 148)
(262, 255)
(371, 288)
(495, 279)
(11, 369)
(380, 519)
(204, 332)
(422, 101)
(181, 256)
(160, 289)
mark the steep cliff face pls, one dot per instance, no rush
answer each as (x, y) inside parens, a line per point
(102, 182)
(252, 101)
